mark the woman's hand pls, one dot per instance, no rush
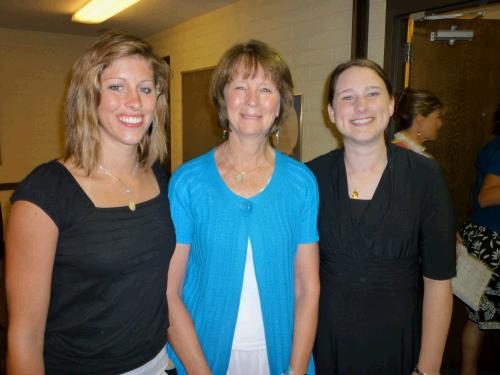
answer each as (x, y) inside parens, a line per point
(306, 287)
(181, 333)
(436, 317)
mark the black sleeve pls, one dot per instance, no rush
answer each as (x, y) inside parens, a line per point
(46, 187)
(437, 230)
(321, 166)
(162, 177)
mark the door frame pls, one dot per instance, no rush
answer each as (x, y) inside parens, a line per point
(397, 13)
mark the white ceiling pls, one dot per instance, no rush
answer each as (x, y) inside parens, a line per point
(142, 19)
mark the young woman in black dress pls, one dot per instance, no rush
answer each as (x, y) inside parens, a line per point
(385, 221)
(90, 236)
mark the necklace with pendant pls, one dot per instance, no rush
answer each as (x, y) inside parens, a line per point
(355, 194)
(240, 175)
(128, 189)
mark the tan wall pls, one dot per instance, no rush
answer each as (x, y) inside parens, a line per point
(313, 36)
(34, 68)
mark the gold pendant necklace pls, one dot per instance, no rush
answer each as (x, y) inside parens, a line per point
(354, 194)
(128, 189)
(240, 175)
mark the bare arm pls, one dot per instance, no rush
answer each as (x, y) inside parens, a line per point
(30, 249)
(306, 305)
(181, 333)
(489, 195)
(437, 309)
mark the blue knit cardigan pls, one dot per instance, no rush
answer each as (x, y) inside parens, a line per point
(217, 224)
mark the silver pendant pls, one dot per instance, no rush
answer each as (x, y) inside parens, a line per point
(238, 177)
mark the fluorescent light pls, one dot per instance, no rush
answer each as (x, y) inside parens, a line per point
(97, 11)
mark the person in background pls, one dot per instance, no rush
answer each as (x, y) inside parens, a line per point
(90, 235)
(243, 284)
(385, 221)
(418, 118)
(481, 237)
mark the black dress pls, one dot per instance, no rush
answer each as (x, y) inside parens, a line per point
(373, 254)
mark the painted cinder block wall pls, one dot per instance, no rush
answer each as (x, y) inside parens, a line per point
(313, 35)
(34, 71)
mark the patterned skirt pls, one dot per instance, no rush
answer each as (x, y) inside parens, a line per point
(485, 245)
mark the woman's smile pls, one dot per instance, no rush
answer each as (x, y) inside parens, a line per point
(131, 121)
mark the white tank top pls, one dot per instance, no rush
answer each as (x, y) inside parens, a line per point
(249, 331)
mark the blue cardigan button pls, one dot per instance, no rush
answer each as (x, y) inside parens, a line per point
(246, 206)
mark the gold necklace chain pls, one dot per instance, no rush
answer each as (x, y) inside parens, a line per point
(355, 193)
(128, 189)
(240, 175)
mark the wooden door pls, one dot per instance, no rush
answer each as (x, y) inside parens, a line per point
(466, 77)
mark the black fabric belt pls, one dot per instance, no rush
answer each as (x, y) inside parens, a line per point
(362, 273)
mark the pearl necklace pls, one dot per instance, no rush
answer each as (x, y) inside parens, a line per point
(128, 189)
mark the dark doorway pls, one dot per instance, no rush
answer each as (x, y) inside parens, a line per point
(200, 129)
(467, 79)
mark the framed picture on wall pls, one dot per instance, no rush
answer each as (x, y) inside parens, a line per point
(289, 139)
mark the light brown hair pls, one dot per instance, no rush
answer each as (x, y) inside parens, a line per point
(81, 122)
(415, 102)
(249, 56)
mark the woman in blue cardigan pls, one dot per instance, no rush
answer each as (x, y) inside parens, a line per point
(243, 286)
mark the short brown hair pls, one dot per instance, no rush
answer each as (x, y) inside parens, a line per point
(360, 63)
(81, 122)
(250, 56)
(412, 103)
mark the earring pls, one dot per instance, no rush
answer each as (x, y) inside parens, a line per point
(225, 134)
(277, 137)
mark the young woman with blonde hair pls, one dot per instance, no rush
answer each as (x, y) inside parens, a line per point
(90, 235)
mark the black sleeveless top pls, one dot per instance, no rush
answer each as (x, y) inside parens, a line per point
(108, 310)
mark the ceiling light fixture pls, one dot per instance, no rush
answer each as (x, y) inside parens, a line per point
(97, 11)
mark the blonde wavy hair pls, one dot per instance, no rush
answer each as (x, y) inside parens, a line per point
(81, 122)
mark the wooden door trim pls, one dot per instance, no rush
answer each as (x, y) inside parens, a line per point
(396, 18)
(360, 21)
